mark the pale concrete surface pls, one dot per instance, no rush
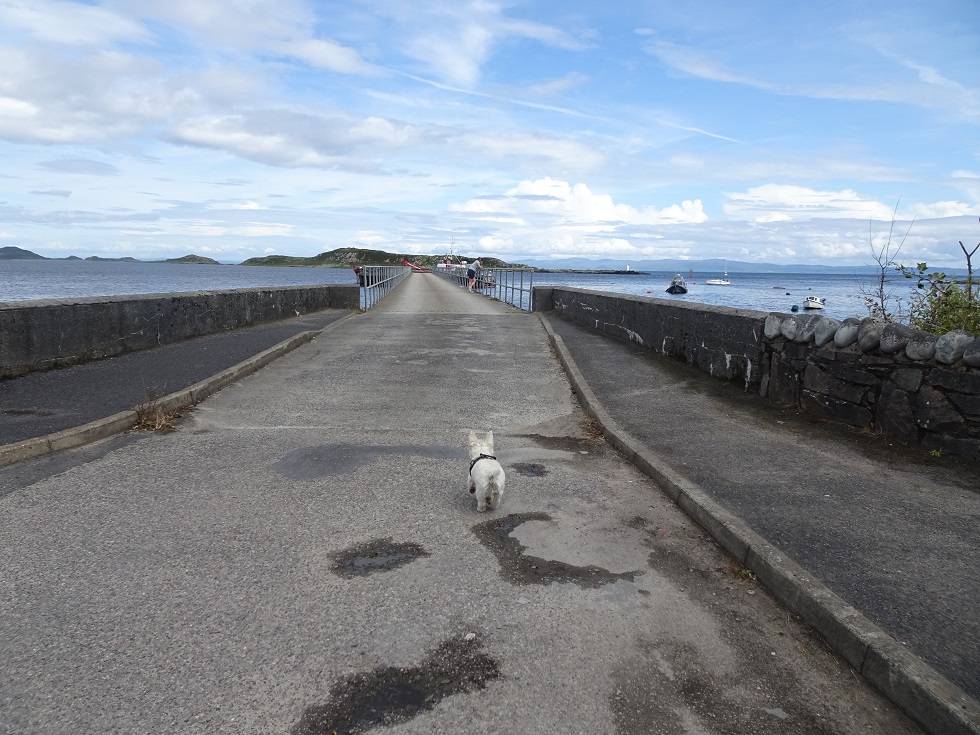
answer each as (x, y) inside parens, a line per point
(185, 582)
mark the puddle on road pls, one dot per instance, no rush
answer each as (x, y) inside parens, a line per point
(379, 555)
(522, 570)
(386, 696)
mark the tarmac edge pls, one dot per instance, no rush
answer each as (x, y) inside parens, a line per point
(125, 420)
(938, 705)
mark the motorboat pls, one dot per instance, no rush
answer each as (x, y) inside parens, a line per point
(723, 281)
(677, 285)
(814, 302)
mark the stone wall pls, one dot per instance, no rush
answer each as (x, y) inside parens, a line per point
(922, 389)
(725, 343)
(38, 335)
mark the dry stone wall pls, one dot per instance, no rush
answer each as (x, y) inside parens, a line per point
(918, 387)
(922, 389)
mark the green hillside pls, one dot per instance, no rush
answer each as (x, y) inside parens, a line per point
(344, 257)
(14, 253)
(196, 259)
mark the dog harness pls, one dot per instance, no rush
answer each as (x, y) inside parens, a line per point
(482, 456)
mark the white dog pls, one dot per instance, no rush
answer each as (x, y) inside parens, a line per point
(486, 475)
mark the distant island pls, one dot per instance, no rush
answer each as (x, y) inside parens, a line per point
(15, 253)
(345, 257)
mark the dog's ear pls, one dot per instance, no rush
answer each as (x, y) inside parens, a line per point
(490, 438)
(472, 437)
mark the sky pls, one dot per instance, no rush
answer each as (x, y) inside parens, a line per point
(759, 131)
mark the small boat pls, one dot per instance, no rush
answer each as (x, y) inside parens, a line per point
(677, 285)
(814, 302)
(723, 281)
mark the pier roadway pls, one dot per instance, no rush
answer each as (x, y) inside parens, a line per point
(301, 555)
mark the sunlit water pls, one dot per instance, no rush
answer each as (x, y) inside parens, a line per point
(60, 279)
(845, 294)
(46, 279)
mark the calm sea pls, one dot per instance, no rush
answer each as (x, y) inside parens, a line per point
(60, 279)
(844, 293)
(57, 279)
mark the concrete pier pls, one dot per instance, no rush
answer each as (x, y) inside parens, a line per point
(301, 554)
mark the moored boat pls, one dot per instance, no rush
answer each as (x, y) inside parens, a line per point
(723, 281)
(677, 285)
(814, 302)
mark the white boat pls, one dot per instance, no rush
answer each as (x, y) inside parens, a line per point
(677, 285)
(814, 302)
(723, 281)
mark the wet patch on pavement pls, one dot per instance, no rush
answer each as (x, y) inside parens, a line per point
(379, 555)
(520, 569)
(386, 696)
(529, 469)
(26, 412)
(331, 460)
(566, 443)
(669, 688)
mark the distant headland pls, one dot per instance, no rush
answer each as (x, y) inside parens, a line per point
(15, 253)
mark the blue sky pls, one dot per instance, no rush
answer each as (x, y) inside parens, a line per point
(756, 131)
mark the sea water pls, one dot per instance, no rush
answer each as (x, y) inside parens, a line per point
(22, 280)
(845, 294)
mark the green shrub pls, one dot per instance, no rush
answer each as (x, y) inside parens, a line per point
(940, 304)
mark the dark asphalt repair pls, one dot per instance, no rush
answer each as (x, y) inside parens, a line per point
(331, 460)
(380, 555)
(519, 569)
(529, 469)
(386, 696)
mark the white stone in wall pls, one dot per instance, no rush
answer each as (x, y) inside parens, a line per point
(869, 335)
(922, 346)
(894, 337)
(773, 327)
(951, 346)
(825, 330)
(847, 334)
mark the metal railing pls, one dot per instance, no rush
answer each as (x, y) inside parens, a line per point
(509, 285)
(377, 280)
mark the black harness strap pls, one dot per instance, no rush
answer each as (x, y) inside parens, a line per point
(482, 456)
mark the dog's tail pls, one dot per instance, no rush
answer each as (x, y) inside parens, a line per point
(495, 486)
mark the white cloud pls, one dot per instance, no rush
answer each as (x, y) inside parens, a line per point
(565, 203)
(454, 40)
(781, 202)
(324, 54)
(943, 209)
(554, 217)
(530, 149)
(70, 23)
(92, 97)
(925, 87)
(558, 86)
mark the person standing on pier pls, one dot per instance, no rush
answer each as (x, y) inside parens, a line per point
(472, 270)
